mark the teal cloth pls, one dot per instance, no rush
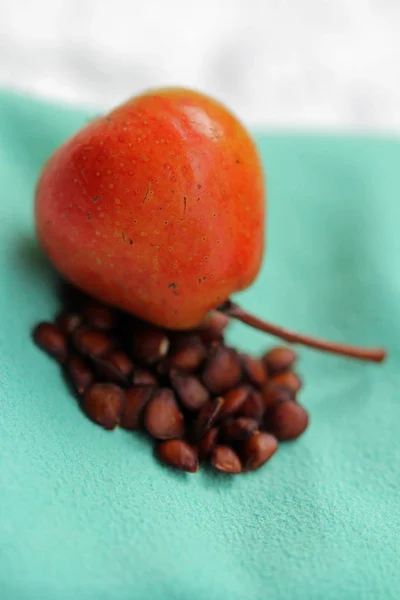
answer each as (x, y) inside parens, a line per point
(90, 514)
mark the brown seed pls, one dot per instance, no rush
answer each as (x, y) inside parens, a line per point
(163, 419)
(213, 328)
(252, 407)
(233, 400)
(116, 367)
(149, 345)
(104, 403)
(280, 359)
(137, 398)
(257, 450)
(80, 374)
(189, 390)
(272, 394)
(287, 379)
(99, 316)
(91, 342)
(48, 337)
(238, 430)
(222, 370)
(287, 420)
(68, 322)
(209, 335)
(207, 417)
(121, 361)
(208, 443)
(187, 353)
(178, 454)
(143, 377)
(254, 369)
(226, 460)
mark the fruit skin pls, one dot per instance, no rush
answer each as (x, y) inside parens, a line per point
(157, 208)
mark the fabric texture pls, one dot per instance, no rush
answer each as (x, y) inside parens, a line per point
(89, 514)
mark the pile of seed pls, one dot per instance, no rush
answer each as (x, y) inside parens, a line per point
(198, 398)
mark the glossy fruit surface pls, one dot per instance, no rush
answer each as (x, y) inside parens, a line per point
(157, 208)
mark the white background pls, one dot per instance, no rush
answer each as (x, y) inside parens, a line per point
(291, 63)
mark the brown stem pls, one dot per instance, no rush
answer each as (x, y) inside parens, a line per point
(372, 354)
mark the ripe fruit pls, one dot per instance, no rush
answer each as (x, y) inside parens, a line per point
(157, 208)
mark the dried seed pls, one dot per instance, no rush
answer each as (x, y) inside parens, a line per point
(222, 370)
(252, 407)
(121, 361)
(208, 443)
(143, 377)
(287, 379)
(80, 374)
(257, 450)
(115, 367)
(67, 323)
(237, 430)
(137, 398)
(280, 359)
(197, 365)
(189, 390)
(213, 328)
(163, 419)
(91, 342)
(254, 369)
(207, 417)
(287, 420)
(103, 403)
(233, 400)
(149, 345)
(273, 394)
(178, 454)
(48, 337)
(99, 316)
(226, 460)
(209, 335)
(187, 353)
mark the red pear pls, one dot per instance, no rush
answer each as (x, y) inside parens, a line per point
(156, 208)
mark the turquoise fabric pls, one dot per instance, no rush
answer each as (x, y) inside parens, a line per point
(90, 514)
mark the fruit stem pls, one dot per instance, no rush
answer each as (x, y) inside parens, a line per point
(234, 311)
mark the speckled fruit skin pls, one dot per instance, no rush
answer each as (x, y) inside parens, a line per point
(156, 208)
